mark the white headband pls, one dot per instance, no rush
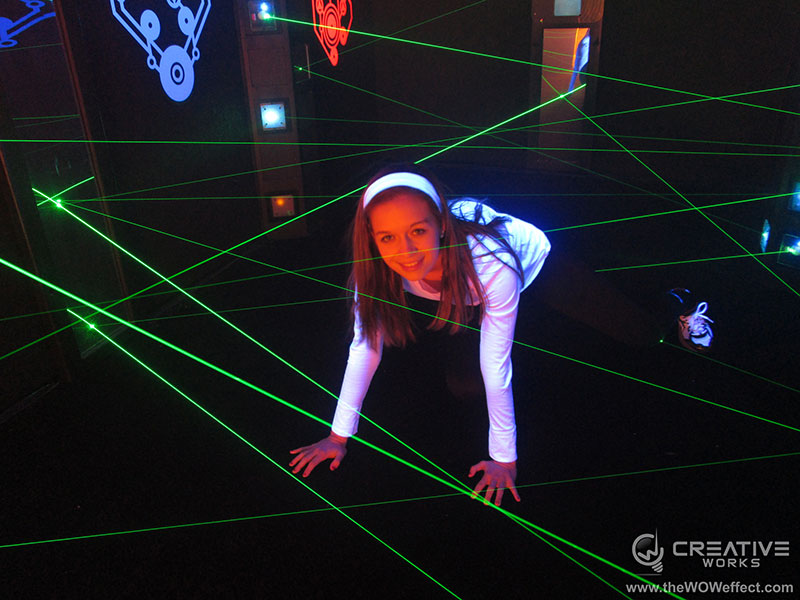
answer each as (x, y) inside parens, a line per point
(411, 180)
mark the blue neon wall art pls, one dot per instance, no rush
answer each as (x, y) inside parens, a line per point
(175, 64)
(38, 10)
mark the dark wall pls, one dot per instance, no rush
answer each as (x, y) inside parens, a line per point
(125, 102)
(713, 48)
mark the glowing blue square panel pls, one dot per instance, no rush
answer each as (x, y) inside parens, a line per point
(567, 8)
(273, 115)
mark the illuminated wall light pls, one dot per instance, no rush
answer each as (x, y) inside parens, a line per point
(260, 17)
(794, 199)
(790, 251)
(273, 115)
(282, 207)
(765, 231)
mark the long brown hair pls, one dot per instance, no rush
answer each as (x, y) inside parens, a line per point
(381, 302)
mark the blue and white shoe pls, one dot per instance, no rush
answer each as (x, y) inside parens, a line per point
(694, 332)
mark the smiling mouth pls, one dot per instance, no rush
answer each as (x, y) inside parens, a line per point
(411, 266)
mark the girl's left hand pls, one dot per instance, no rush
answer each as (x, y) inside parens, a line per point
(497, 477)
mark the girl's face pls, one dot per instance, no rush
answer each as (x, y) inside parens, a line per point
(407, 236)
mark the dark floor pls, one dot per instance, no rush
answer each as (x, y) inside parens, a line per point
(642, 439)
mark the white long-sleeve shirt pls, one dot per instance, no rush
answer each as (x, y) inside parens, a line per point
(502, 287)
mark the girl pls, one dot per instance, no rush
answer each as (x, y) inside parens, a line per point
(464, 255)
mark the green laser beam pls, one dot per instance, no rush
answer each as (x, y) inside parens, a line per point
(190, 288)
(669, 212)
(199, 142)
(531, 194)
(638, 151)
(381, 503)
(253, 171)
(282, 224)
(688, 261)
(16, 48)
(542, 350)
(272, 461)
(64, 191)
(77, 204)
(75, 201)
(332, 506)
(245, 334)
(420, 24)
(39, 123)
(289, 272)
(288, 404)
(561, 132)
(242, 256)
(520, 115)
(434, 144)
(581, 119)
(376, 122)
(549, 156)
(97, 310)
(42, 117)
(240, 331)
(299, 372)
(650, 138)
(295, 272)
(194, 299)
(232, 310)
(684, 198)
(735, 368)
(668, 105)
(530, 64)
(279, 225)
(382, 97)
(73, 204)
(618, 373)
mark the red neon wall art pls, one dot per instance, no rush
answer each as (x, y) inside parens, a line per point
(332, 21)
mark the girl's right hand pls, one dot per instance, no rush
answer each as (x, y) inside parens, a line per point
(332, 447)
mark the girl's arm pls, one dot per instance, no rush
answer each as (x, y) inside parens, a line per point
(362, 363)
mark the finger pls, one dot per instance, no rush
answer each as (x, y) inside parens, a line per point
(295, 460)
(499, 498)
(481, 484)
(335, 464)
(475, 468)
(301, 449)
(515, 493)
(303, 459)
(488, 497)
(313, 464)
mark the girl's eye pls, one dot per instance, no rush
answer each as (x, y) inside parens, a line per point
(419, 231)
(385, 239)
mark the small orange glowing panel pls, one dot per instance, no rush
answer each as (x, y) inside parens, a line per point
(282, 207)
(332, 21)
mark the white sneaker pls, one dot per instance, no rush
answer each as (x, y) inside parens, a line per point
(693, 330)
